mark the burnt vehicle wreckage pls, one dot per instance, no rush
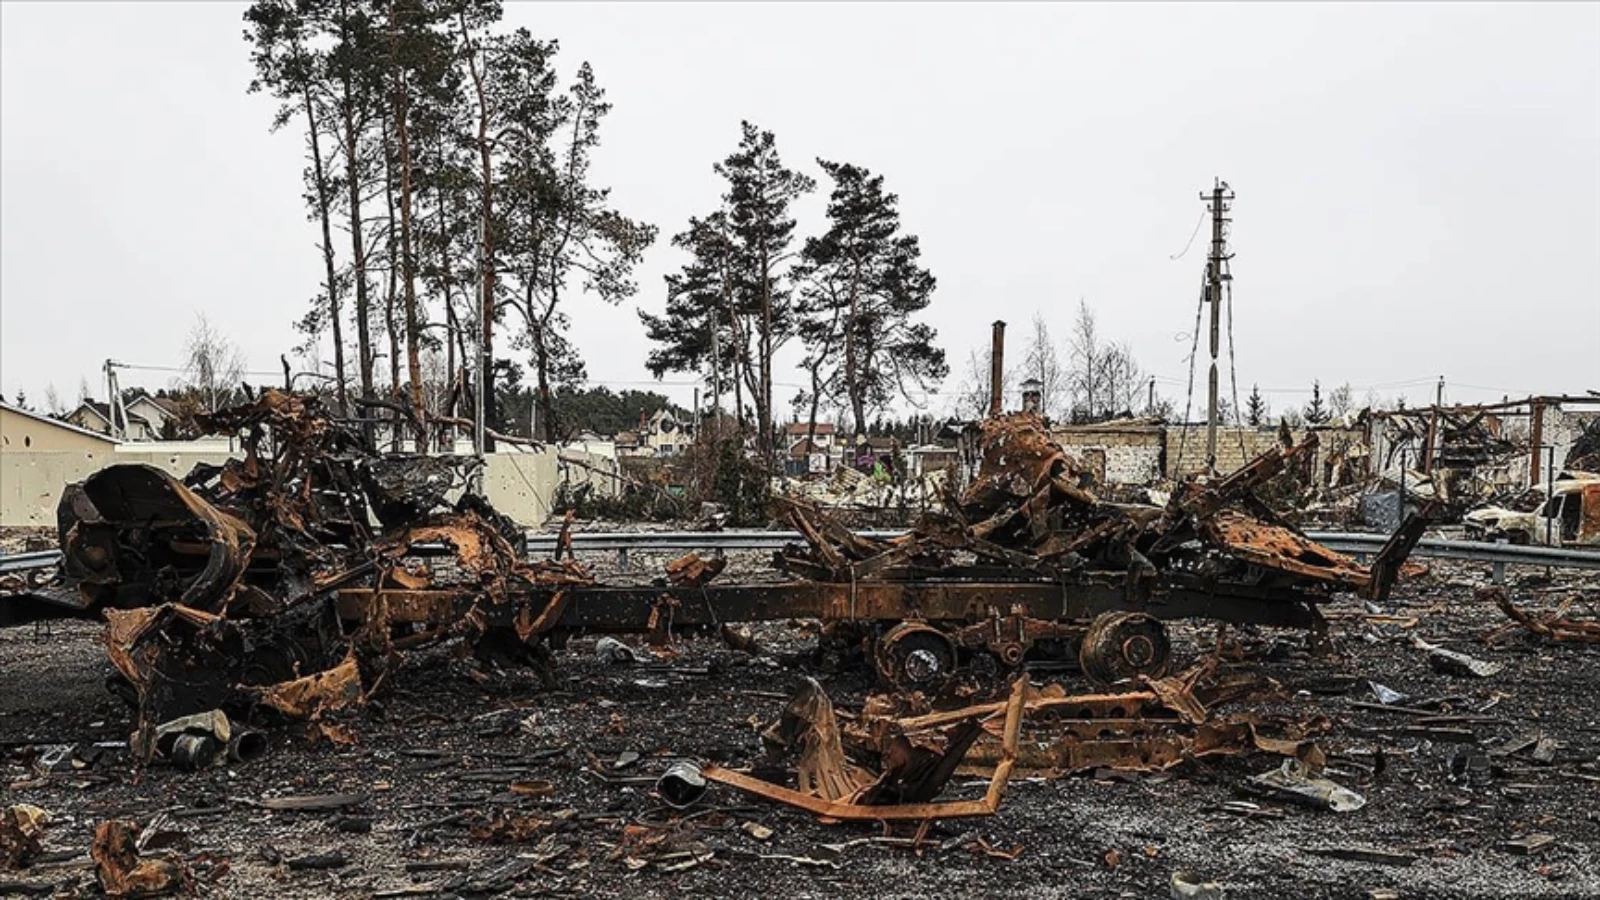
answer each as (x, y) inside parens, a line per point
(289, 583)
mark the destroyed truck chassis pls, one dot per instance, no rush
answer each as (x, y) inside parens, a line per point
(292, 579)
(1005, 620)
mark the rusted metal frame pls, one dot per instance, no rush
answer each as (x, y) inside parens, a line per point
(1155, 749)
(1012, 632)
(803, 525)
(1535, 440)
(912, 812)
(627, 609)
(143, 494)
(1247, 478)
(1386, 565)
(1269, 560)
(991, 550)
(1086, 538)
(1119, 707)
(1554, 626)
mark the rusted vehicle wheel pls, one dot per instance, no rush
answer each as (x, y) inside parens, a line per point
(915, 655)
(1122, 645)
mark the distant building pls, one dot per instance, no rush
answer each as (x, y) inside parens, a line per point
(96, 416)
(665, 435)
(148, 417)
(810, 451)
(22, 431)
(825, 436)
(157, 411)
(921, 460)
(628, 444)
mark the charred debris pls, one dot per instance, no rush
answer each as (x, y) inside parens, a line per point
(290, 583)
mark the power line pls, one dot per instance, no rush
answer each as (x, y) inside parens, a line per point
(1197, 223)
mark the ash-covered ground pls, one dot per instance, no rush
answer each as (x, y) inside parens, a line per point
(452, 746)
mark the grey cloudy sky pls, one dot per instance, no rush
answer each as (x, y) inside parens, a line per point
(1418, 185)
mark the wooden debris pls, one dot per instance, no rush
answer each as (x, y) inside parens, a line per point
(1363, 854)
(315, 803)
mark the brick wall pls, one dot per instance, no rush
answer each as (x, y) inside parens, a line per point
(1132, 456)
(1186, 446)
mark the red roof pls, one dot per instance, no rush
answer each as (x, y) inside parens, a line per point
(805, 427)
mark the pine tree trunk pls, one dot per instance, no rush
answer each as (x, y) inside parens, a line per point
(852, 370)
(324, 203)
(450, 325)
(390, 293)
(358, 254)
(402, 112)
(545, 422)
(485, 365)
(764, 413)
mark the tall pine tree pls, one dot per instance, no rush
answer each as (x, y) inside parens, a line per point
(1316, 412)
(862, 284)
(760, 191)
(696, 333)
(1255, 409)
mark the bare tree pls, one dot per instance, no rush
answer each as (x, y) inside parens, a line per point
(52, 400)
(213, 364)
(1341, 401)
(1102, 377)
(1086, 368)
(971, 400)
(1121, 379)
(1041, 363)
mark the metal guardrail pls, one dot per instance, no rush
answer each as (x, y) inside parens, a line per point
(1342, 541)
(683, 541)
(680, 541)
(19, 562)
(1476, 551)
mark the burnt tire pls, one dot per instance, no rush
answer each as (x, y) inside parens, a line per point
(1124, 645)
(915, 656)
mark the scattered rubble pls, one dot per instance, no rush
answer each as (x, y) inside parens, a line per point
(1108, 672)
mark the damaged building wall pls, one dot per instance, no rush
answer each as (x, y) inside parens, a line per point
(522, 485)
(1511, 425)
(1186, 446)
(1131, 453)
(1563, 426)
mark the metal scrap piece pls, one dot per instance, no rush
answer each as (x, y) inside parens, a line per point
(20, 828)
(1451, 662)
(123, 873)
(858, 812)
(1294, 781)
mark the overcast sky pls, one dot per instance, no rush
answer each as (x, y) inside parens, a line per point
(1418, 186)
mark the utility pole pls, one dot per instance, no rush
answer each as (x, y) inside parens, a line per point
(1438, 396)
(1216, 273)
(1150, 401)
(115, 410)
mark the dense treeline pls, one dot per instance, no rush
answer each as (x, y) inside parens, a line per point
(448, 173)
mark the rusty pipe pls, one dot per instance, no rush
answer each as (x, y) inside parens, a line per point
(997, 357)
